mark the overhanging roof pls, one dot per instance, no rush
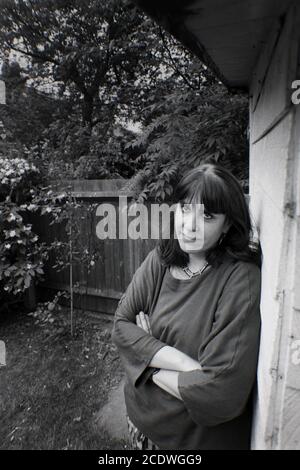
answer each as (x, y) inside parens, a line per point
(226, 35)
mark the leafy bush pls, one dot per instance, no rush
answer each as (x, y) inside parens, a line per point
(45, 311)
(21, 255)
(186, 129)
(16, 175)
(69, 149)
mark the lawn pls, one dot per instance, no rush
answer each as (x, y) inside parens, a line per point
(54, 385)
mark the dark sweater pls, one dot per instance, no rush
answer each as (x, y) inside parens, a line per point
(215, 319)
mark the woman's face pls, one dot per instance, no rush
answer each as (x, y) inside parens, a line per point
(196, 229)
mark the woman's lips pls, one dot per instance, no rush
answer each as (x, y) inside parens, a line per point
(188, 238)
(195, 238)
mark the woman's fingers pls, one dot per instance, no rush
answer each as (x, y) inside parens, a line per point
(148, 323)
(142, 320)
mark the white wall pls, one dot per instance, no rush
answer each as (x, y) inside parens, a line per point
(274, 179)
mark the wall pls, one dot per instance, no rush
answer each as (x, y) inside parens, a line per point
(274, 205)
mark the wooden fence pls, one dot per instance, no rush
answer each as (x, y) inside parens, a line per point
(116, 259)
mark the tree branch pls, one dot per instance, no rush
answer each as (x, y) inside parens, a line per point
(43, 57)
(173, 63)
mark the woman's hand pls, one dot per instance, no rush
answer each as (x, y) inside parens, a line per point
(142, 320)
(167, 357)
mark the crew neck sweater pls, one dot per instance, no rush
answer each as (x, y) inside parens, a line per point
(215, 319)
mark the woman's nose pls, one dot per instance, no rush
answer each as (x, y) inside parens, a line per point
(190, 221)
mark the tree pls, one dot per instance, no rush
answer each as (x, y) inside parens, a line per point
(89, 50)
(111, 64)
(28, 112)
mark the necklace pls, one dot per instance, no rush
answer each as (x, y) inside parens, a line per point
(190, 273)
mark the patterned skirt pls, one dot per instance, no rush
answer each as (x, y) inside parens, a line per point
(138, 440)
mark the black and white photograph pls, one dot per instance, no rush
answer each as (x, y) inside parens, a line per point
(150, 228)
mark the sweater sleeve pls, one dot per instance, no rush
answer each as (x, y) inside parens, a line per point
(136, 347)
(220, 390)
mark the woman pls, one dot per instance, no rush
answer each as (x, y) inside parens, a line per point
(187, 328)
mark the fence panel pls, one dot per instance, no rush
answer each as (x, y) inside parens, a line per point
(100, 288)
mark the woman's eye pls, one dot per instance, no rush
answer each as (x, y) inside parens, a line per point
(187, 208)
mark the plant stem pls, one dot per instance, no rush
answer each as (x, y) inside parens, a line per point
(71, 275)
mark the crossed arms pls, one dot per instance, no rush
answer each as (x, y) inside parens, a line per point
(169, 360)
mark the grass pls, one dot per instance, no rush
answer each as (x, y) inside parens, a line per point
(54, 385)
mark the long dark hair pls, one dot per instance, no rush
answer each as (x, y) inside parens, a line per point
(220, 192)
